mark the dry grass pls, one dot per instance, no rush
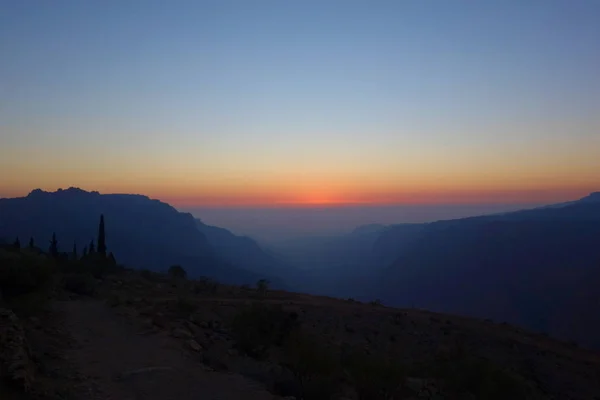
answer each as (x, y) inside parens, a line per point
(399, 345)
(318, 347)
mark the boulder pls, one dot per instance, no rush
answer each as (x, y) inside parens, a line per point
(181, 333)
(15, 362)
(194, 345)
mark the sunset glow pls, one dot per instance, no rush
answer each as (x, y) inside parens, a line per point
(301, 105)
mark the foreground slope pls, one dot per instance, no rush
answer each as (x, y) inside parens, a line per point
(115, 333)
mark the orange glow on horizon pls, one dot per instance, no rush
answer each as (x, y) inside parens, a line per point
(547, 196)
(327, 191)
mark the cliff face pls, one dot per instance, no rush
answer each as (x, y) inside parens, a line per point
(140, 232)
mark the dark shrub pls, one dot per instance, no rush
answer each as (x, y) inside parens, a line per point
(374, 377)
(206, 285)
(375, 303)
(23, 273)
(147, 274)
(464, 374)
(258, 327)
(314, 366)
(262, 286)
(484, 380)
(185, 306)
(82, 284)
(177, 271)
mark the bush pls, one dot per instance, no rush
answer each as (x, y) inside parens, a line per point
(151, 276)
(482, 379)
(96, 264)
(375, 377)
(29, 304)
(262, 286)
(375, 303)
(185, 306)
(177, 271)
(206, 285)
(464, 374)
(315, 367)
(23, 273)
(82, 284)
(258, 327)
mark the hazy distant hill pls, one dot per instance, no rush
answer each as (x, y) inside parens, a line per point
(539, 268)
(141, 232)
(243, 252)
(340, 265)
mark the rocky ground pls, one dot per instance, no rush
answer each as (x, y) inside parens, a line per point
(148, 336)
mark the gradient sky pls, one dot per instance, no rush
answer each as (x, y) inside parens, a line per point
(218, 103)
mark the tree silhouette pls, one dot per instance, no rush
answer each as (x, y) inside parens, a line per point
(31, 244)
(262, 286)
(91, 248)
(177, 271)
(85, 251)
(74, 251)
(17, 244)
(101, 237)
(53, 246)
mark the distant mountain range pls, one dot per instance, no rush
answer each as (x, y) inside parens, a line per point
(244, 252)
(141, 232)
(539, 268)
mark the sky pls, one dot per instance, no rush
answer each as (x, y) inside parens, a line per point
(302, 103)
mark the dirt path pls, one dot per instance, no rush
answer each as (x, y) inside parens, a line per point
(118, 363)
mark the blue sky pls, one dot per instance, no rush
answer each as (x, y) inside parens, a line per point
(328, 101)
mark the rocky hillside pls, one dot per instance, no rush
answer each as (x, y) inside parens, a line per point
(99, 333)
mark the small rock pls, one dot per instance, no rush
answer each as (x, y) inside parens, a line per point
(181, 333)
(160, 320)
(195, 329)
(146, 311)
(195, 319)
(194, 345)
(220, 331)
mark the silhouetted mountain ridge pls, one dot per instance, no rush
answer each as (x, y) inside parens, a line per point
(141, 232)
(537, 268)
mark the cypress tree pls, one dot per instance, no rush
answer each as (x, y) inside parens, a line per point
(53, 246)
(101, 237)
(31, 244)
(75, 251)
(84, 251)
(91, 249)
(17, 244)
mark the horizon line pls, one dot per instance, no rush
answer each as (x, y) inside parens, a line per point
(457, 198)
